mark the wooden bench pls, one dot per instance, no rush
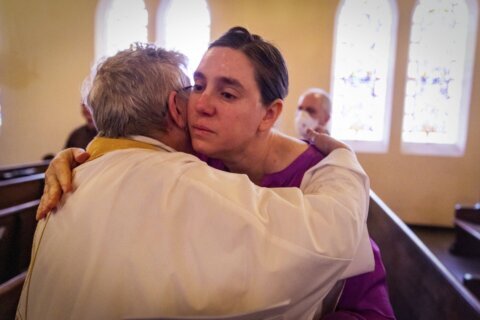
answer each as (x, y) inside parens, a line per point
(472, 282)
(10, 295)
(22, 170)
(468, 213)
(419, 284)
(21, 190)
(467, 231)
(17, 227)
(467, 239)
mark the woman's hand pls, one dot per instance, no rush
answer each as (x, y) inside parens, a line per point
(324, 142)
(58, 178)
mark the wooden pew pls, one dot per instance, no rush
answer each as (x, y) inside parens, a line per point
(19, 199)
(21, 190)
(22, 170)
(467, 239)
(467, 231)
(17, 227)
(468, 213)
(7, 246)
(472, 282)
(10, 295)
(420, 286)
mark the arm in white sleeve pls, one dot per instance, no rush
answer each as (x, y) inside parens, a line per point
(308, 239)
(363, 260)
(326, 220)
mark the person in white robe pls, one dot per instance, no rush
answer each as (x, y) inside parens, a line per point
(151, 231)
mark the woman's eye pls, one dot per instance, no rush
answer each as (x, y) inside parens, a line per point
(228, 96)
(197, 88)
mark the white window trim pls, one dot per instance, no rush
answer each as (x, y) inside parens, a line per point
(100, 33)
(432, 149)
(160, 22)
(160, 29)
(369, 146)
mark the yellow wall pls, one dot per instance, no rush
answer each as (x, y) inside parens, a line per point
(47, 47)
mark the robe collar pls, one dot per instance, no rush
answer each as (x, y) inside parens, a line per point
(102, 145)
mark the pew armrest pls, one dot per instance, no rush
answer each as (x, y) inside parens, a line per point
(468, 213)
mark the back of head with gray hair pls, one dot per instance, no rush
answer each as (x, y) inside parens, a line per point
(86, 84)
(128, 93)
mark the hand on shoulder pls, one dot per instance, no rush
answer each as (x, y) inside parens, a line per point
(325, 143)
(58, 178)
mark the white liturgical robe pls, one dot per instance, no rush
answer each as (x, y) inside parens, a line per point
(157, 233)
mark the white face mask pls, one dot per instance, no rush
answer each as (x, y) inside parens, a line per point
(303, 121)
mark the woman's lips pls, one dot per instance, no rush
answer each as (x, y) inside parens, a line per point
(199, 129)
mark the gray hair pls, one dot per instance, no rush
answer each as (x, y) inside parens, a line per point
(86, 85)
(128, 93)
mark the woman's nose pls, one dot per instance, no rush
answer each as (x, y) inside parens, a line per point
(204, 104)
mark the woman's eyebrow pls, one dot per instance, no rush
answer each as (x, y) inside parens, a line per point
(198, 75)
(222, 80)
(231, 82)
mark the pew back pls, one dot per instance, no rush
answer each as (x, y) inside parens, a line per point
(21, 190)
(17, 227)
(22, 170)
(10, 295)
(420, 286)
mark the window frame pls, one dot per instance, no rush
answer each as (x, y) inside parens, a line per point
(381, 146)
(456, 149)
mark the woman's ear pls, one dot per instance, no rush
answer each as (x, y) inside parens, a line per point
(272, 113)
(177, 107)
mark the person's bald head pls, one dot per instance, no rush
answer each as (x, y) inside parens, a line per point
(314, 110)
(317, 103)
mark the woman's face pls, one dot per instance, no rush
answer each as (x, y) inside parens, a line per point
(224, 109)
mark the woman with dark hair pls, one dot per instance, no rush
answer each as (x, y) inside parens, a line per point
(237, 96)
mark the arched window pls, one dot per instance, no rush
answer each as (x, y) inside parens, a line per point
(362, 73)
(118, 24)
(439, 77)
(184, 25)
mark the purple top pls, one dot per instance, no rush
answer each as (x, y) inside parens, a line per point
(364, 296)
(292, 175)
